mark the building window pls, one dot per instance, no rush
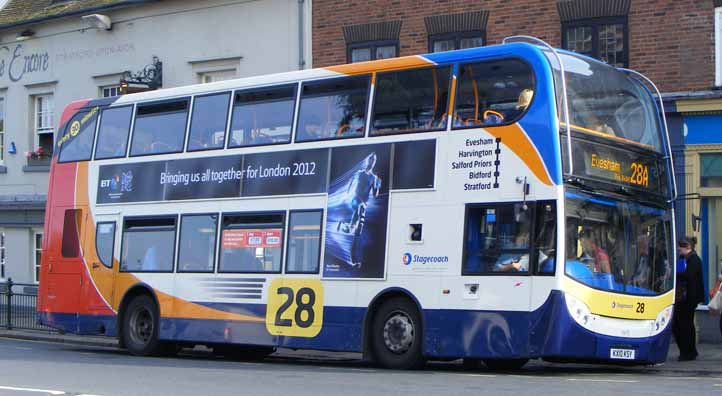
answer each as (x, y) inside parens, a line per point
(2, 255)
(710, 170)
(218, 75)
(455, 41)
(2, 130)
(718, 45)
(44, 122)
(38, 249)
(362, 52)
(110, 91)
(603, 38)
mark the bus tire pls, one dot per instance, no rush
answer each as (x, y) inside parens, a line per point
(140, 327)
(396, 335)
(505, 364)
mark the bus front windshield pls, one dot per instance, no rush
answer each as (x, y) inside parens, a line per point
(619, 246)
(606, 102)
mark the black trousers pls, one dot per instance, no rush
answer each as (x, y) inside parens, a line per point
(685, 334)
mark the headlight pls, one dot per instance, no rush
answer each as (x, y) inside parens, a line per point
(580, 311)
(662, 320)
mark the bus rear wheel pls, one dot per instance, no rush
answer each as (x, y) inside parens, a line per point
(140, 327)
(396, 335)
(505, 364)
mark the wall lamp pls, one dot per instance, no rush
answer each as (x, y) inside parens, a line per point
(99, 21)
(25, 35)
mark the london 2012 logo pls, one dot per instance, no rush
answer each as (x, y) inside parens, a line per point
(407, 258)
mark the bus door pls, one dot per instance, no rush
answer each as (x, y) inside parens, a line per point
(544, 255)
(101, 258)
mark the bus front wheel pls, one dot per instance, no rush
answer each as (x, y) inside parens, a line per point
(397, 335)
(140, 327)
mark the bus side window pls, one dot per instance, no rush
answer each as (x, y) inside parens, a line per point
(545, 238)
(497, 239)
(251, 243)
(197, 245)
(104, 242)
(492, 93)
(411, 101)
(71, 233)
(333, 109)
(208, 122)
(148, 244)
(113, 132)
(262, 116)
(159, 127)
(304, 242)
(77, 142)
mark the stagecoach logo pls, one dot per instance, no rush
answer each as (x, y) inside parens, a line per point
(408, 258)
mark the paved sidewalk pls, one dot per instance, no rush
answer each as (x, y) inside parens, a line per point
(709, 361)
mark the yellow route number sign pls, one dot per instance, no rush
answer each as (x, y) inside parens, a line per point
(295, 307)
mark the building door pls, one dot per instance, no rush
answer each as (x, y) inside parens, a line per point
(712, 237)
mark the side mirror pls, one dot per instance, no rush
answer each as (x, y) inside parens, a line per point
(696, 222)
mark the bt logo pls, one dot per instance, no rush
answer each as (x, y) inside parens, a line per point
(407, 258)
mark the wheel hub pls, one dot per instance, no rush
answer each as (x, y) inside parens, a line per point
(399, 333)
(141, 326)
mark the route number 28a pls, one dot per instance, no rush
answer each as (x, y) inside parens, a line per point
(295, 307)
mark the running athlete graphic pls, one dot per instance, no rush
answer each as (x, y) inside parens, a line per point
(364, 185)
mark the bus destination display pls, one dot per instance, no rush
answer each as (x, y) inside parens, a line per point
(613, 164)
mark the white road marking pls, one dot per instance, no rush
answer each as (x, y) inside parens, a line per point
(52, 392)
(602, 380)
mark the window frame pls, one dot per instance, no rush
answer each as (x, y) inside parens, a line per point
(320, 240)
(175, 242)
(457, 37)
(595, 24)
(372, 45)
(457, 91)
(216, 247)
(46, 130)
(283, 222)
(131, 123)
(372, 107)
(718, 45)
(36, 250)
(186, 143)
(110, 87)
(134, 123)
(3, 253)
(367, 108)
(296, 110)
(3, 122)
(112, 254)
(533, 206)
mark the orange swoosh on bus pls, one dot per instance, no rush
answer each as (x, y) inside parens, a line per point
(404, 62)
(102, 276)
(514, 137)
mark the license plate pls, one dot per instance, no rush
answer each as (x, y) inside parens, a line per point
(626, 354)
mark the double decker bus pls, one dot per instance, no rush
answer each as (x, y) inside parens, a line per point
(503, 203)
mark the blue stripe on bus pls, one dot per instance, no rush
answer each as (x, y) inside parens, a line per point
(548, 332)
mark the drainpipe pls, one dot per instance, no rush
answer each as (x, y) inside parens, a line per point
(301, 30)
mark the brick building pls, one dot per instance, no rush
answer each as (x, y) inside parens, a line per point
(676, 43)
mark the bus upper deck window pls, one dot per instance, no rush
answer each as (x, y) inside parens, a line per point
(113, 132)
(208, 122)
(159, 128)
(411, 100)
(262, 116)
(332, 109)
(492, 93)
(77, 142)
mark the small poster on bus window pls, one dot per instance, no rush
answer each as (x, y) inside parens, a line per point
(252, 238)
